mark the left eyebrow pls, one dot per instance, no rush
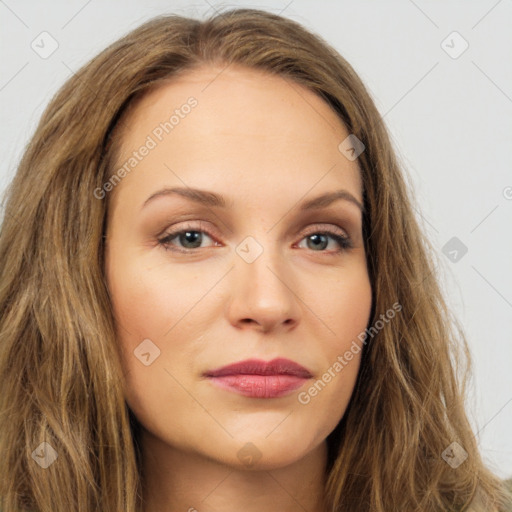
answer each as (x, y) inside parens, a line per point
(212, 199)
(327, 199)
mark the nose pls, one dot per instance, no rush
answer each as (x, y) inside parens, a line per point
(264, 294)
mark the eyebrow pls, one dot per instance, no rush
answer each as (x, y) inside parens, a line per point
(214, 200)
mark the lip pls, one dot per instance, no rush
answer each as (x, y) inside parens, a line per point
(260, 379)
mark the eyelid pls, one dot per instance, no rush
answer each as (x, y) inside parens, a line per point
(195, 225)
(316, 228)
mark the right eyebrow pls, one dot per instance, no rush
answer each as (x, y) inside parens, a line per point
(199, 196)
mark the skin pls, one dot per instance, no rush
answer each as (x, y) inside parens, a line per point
(266, 145)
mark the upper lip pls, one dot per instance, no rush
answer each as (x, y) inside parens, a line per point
(278, 366)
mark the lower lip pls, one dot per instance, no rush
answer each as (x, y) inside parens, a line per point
(259, 386)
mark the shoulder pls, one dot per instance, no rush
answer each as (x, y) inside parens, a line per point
(478, 505)
(508, 484)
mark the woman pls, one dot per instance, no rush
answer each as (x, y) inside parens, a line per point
(303, 359)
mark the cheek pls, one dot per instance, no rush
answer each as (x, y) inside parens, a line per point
(143, 306)
(152, 303)
(149, 300)
(346, 310)
(345, 307)
(165, 304)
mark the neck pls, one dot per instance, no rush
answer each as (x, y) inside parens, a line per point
(178, 481)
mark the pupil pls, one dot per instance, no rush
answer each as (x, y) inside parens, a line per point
(318, 238)
(191, 237)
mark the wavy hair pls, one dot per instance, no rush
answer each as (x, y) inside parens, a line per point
(59, 359)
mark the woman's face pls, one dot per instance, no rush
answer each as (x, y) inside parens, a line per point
(258, 273)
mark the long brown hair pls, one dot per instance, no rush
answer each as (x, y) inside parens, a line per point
(59, 360)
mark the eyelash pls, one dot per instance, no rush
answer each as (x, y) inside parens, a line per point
(343, 241)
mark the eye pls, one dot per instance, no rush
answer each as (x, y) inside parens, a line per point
(318, 241)
(192, 237)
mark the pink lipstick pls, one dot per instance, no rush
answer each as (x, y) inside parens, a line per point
(260, 379)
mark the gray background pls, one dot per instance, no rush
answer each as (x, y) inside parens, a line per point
(450, 117)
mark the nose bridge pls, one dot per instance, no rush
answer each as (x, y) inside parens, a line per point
(263, 282)
(261, 261)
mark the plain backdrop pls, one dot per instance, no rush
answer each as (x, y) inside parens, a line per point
(441, 75)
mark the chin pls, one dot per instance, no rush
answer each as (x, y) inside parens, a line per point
(261, 453)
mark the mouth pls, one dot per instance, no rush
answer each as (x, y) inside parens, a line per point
(260, 379)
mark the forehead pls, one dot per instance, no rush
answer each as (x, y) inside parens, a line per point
(245, 127)
(237, 93)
